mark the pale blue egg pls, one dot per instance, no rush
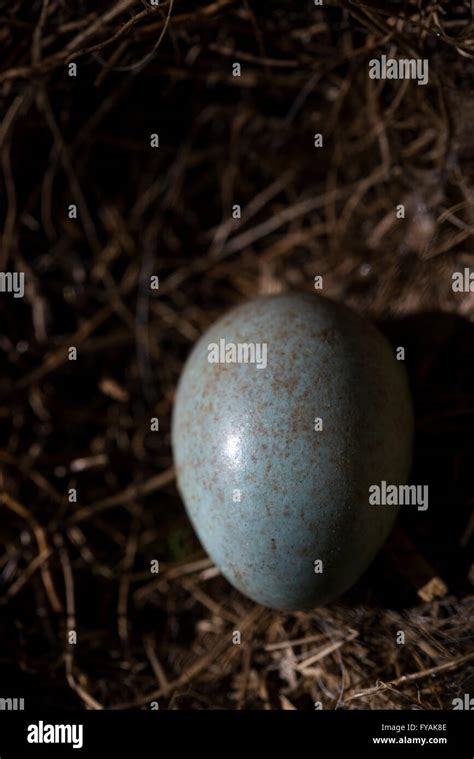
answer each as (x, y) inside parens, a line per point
(288, 410)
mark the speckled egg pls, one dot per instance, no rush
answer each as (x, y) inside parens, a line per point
(288, 410)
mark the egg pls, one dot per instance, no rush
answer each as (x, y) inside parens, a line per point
(289, 408)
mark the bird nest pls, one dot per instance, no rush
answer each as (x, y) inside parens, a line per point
(133, 146)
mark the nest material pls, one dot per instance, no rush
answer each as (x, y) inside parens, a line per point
(84, 140)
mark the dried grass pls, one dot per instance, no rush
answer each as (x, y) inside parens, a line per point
(85, 425)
